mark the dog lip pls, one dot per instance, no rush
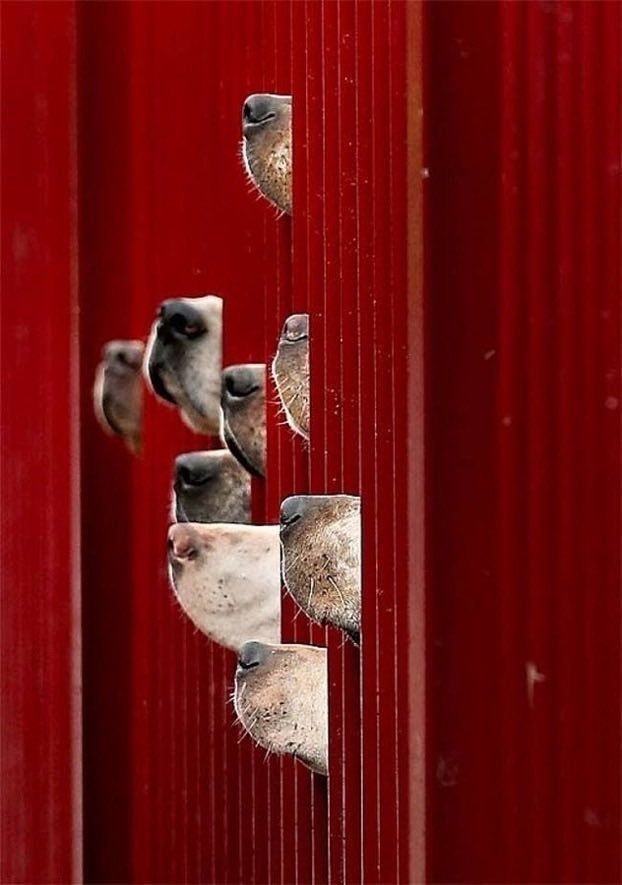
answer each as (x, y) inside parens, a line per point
(180, 513)
(155, 368)
(238, 452)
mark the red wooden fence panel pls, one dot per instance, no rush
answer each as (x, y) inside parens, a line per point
(522, 297)
(166, 210)
(40, 816)
(185, 224)
(351, 248)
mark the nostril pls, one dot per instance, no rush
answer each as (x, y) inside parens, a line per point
(180, 320)
(257, 109)
(180, 323)
(181, 545)
(287, 521)
(240, 382)
(230, 386)
(191, 477)
(252, 654)
(186, 476)
(292, 510)
(195, 469)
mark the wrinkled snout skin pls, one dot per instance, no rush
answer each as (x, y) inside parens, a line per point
(243, 403)
(290, 370)
(267, 146)
(118, 391)
(211, 487)
(183, 359)
(226, 579)
(321, 558)
(281, 699)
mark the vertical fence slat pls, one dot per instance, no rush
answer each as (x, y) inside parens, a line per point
(40, 741)
(523, 565)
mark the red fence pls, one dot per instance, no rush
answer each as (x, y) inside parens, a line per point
(522, 477)
(40, 806)
(476, 737)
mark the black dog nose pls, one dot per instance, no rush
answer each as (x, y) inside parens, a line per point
(296, 327)
(258, 109)
(239, 381)
(179, 320)
(293, 509)
(194, 469)
(252, 654)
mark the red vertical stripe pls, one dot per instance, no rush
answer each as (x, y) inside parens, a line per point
(524, 554)
(40, 739)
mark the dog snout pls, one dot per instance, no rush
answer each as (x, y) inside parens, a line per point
(252, 654)
(129, 356)
(238, 382)
(293, 509)
(195, 469)
(123, 354)
(258, 109)
(178, 320)
(295, 328)
(183, 542)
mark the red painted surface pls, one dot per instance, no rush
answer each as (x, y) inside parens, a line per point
(523, 441)
(40, 838)
(204, 807)
(350, 245)
(184, 223)
(445, 763)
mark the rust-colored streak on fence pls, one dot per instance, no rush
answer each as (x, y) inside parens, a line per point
(523, 298)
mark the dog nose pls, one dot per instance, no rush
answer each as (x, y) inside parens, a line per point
(129, 355)
(194, 469)
(179, 320)
(239, 381)
(252, 654)
(293, 509)
(182, 542)
(258, 109)
(296, 327)
(124, 353)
